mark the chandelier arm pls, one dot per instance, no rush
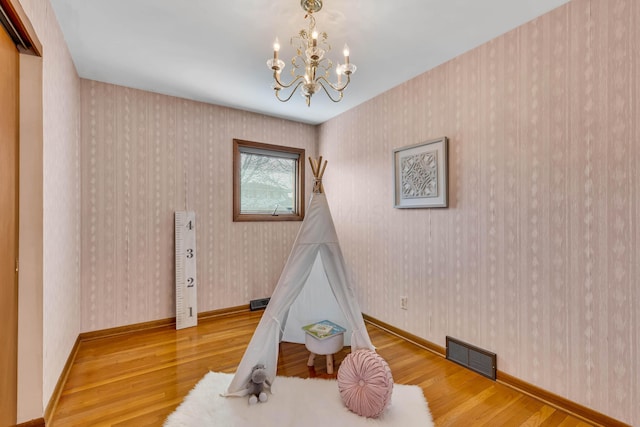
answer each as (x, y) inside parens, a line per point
(327, 92)
(290, 95)
(334, 87)
(286, 86)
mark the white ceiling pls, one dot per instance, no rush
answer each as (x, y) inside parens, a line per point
(215, 51)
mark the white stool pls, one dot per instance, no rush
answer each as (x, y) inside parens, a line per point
(326, 346)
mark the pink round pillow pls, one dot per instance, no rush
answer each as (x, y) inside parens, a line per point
(365, 383)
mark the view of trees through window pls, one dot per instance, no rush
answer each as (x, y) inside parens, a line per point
(267, 184)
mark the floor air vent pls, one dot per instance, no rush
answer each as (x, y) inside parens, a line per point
(472, 357)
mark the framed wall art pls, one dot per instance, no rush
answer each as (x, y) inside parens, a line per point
(420, 175)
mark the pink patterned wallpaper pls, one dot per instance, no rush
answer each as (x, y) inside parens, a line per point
(145, 156)
(537, 257)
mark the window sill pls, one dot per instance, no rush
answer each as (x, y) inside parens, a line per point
(266, 217)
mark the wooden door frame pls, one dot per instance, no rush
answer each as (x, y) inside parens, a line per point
(9, 217)
(23, 36)
(20, 28)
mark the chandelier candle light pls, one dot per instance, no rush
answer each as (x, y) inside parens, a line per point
(311, 69)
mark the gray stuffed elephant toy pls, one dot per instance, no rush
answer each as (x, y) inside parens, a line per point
(256, 386)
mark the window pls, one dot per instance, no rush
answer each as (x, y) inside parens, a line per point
(268, 182)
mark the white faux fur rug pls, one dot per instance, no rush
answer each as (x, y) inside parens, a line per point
(295, 402)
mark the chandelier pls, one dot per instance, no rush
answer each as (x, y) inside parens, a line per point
(310, 68)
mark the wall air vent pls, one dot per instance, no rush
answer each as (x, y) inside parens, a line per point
(258, 304)
(472, 357)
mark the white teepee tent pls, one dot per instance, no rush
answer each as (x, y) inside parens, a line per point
(316, 244)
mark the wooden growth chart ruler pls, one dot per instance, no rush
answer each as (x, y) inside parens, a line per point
(186, 282)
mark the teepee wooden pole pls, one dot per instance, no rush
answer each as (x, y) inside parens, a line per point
(324, 166)
(313, 167)
(317, 167)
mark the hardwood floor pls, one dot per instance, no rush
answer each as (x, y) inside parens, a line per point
(139, 378)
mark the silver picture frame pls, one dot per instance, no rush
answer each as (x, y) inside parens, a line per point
(420, 175)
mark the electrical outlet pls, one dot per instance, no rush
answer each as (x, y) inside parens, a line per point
(403, 303)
